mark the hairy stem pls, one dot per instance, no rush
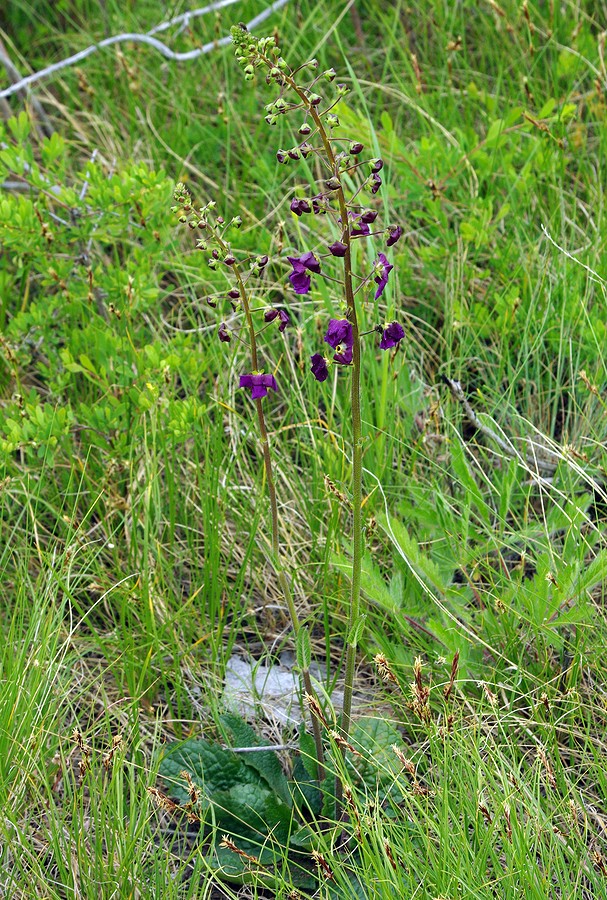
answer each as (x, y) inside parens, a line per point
(357, 441)
(283, 580)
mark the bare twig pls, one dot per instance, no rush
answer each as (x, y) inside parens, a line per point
(144, 39)
(594, 276)
(17, 86)
(535, 461)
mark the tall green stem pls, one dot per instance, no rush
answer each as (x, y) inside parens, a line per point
(283, 580)
(357, 437)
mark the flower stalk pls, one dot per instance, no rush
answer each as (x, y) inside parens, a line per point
(259, 383)
(352, 220)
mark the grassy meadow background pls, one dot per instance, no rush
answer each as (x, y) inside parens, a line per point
(133, 540)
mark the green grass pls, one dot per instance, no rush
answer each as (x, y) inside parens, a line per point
(134, 534)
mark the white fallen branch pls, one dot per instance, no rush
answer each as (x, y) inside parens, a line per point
(150, 40)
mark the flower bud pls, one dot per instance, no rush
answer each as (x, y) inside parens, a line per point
(376, 165)
(329, 75)
(201, 245)
(212, 263)
(229, 260)
(236, 222)
(338, 248)
(182, 219)
(271, 120)
(342, 90)
(280, 105)
(315, 99)
(368, 216)
(224, 333)
(282, 157)
(332, 120)
(294, 153)
(393, 234)
(215, 254)
(313, 64)
(305, 149)
(356, 147)
(212, 302)
(234, 294)
(304, 130)
(333, 183)
(300, 206)
(374, 183)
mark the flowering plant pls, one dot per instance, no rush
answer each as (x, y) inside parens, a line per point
(350, 216)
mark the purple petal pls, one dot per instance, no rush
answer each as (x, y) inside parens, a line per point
(392, 334)
(339, 332)
(300, 281)
(383, 269)
(337, 248)
(310, 262)
(320, 370)
(395, 233)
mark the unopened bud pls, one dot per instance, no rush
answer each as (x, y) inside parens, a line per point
(332, 120)
(305, 129)
(356, 147)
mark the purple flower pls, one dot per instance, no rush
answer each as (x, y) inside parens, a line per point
(338, 248)
(299, 277)
(382, 270)
(359, 228)
(369, 216)
(320, 370)
(391, 335)
(339, 336)
(284, 318)
(224, 333)
(376, 165)
(374, 183)
(300, 206)
(394, 234)
(259, 384)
